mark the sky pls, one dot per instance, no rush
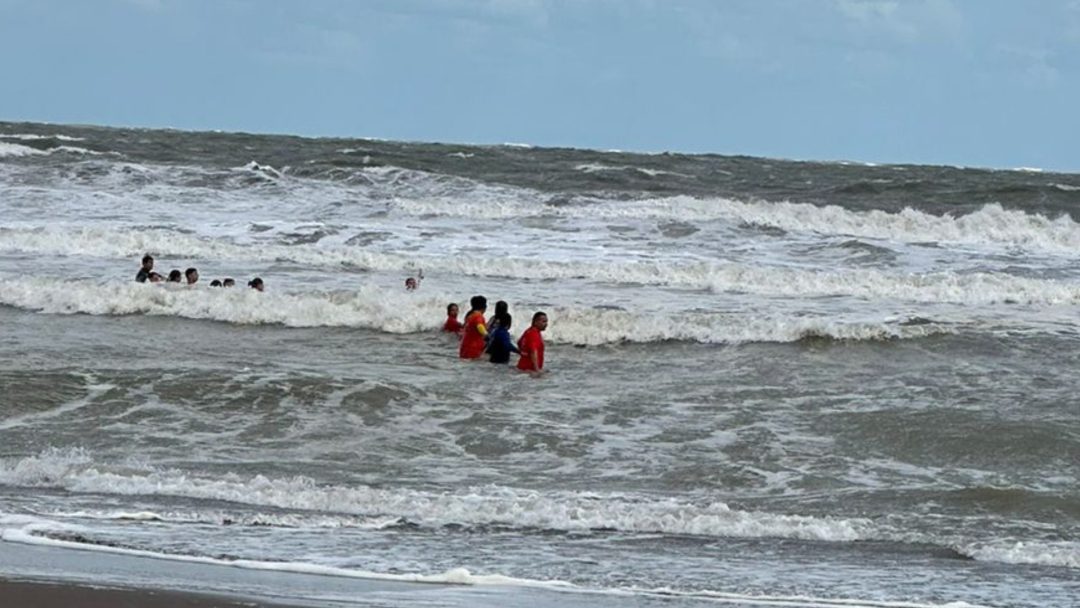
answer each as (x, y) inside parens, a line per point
(990, 83)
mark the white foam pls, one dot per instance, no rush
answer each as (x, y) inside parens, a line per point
(456, 576)
(950, 287)
(7, 149)
(259, 169)
(74, 150)
(276, 520)
(989, 225)
(488, 505)
(35, 137)
(462, 576)
(602, 168)
(392, 311)
(1064, 554)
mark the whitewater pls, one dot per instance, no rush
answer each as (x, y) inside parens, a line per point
(771, 383)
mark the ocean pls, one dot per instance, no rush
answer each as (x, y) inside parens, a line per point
(770, 382)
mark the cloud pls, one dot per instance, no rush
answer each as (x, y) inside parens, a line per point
(1036, 65)
(909, 22)
(146, 5)
(1072, 21)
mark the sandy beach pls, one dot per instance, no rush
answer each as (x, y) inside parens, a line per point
(46, 594)
(44, 577)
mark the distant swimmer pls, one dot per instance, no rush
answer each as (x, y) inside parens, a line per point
(452, 325)
(228, 282)
(500, 344)
(215, 283)
(175, 275)
(146, 268)
(256, 284)
(156, 278)
(531, 345)
(410, 284)
(191, 275)
(475, 330)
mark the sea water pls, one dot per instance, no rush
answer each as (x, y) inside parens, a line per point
(770, 383)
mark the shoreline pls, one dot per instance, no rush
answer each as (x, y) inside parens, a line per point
(35, 593)
(42, 576)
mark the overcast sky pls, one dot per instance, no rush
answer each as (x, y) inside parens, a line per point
(964, 82)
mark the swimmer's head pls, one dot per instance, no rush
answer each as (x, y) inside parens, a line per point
(191, 275)
(215, 283)
(229, 282)
(147, 262)
(155, 277)
(501, 308)
(410, 283)
(256, 284)
(478, 303)
(540, 320)
(175, 276)
(452, 310)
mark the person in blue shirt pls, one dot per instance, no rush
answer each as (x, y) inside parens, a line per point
(500, 344)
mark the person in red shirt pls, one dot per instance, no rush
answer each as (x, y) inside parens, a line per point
(531, 345)
(475, 330)
(452, 325)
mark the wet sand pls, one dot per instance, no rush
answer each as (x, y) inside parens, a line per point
(45, 594)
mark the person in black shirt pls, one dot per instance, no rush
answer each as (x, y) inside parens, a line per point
(147, 267)
(500, 345)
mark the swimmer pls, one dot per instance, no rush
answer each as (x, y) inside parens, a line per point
(256, 284)
(410, 284)
(191, 275)
(228, 282)
(155, 277)
(452, 325)
(175, 275)
(475, 330)
(146, 268)
(500, 345)
(215, 283)
(501, 308)
(531, 346)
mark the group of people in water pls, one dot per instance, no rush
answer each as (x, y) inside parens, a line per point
(479, 336)
(188, 277)
(492, 336)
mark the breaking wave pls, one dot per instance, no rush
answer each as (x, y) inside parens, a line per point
(389, 311)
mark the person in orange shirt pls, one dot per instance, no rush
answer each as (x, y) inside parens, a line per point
(472, 337)
(531, 345)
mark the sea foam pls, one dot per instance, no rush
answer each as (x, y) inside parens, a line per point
(391, 311)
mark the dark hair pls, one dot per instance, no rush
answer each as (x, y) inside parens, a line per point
(228, 282)
(147, 258)
(538, 314)
(449, 306)
(255, 282)
(154, 275)
(477, 303)
(504, 320)
(189, 271)
(174, 275)
(501, 308)
(215, 283)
